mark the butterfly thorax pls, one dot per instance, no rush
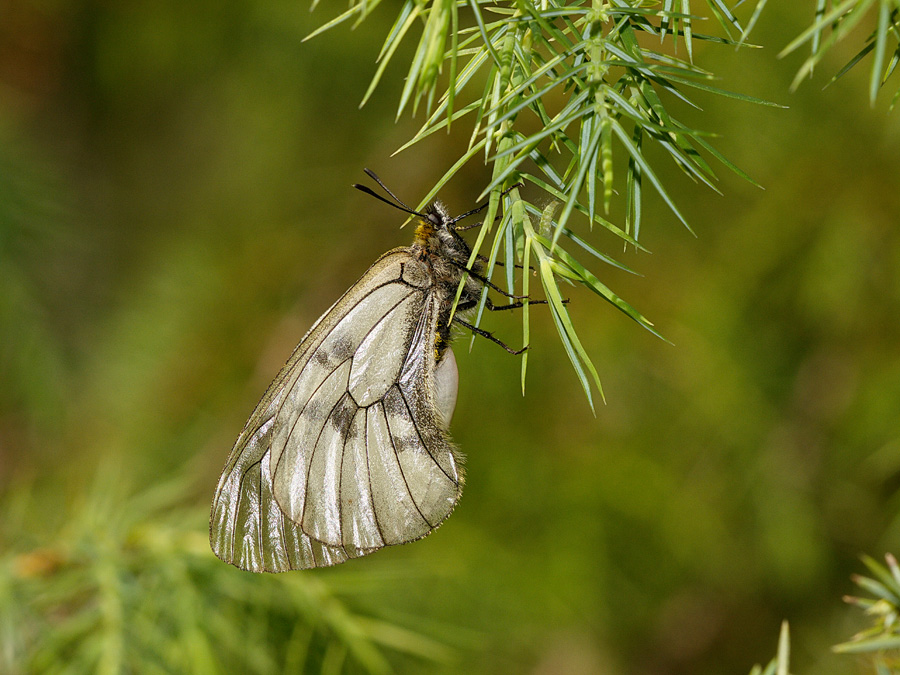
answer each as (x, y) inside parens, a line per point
(439, 245)
(437, 235)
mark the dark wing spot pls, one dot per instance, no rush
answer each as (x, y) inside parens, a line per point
(342, 416)
(393, 403)
(340, 351)
(396, 409)
(343, 349)
(407, 443)
(313, 409)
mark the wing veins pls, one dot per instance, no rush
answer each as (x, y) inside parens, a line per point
(282, 384)
(400, 467)
(316, 390)
(331, 372)
(237, 503)
(430, 300)
(326, 335)
(286, 384)
(369, 472)
(244, 447)
(422, 439)
(302, 409)
(284, 536)
(340, 504)
(240, 497)
(309, 464)
(259, 530)
(320, 552)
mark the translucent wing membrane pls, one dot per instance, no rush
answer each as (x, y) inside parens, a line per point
(347, 451)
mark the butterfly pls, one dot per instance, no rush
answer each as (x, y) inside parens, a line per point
(348, 451)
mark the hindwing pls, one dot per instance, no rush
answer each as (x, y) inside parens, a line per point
(348, 449)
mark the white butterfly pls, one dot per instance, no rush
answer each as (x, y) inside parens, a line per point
(348, 450)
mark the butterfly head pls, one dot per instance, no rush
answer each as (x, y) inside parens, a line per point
(437, 233)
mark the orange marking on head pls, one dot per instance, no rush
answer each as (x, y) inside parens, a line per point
(424, 230)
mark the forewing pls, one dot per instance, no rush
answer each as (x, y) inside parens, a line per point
(364, 462)
(247, 527)
(346, 452)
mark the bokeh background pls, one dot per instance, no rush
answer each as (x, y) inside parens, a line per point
(175, 212)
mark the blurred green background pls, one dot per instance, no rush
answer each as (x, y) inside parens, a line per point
(175, 212)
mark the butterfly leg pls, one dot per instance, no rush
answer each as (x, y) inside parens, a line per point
(499, 308)
(515, 305)
(495, 287)
(487, 282)
(485, 334)
(499, 263)
(480, 208)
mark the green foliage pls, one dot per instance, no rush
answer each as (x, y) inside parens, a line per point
(565, 97)
(882, 638)
(780, 665)
(842, 18)
(134, 589)
(174, 216)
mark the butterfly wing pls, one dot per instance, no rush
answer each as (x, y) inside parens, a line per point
(347, 451)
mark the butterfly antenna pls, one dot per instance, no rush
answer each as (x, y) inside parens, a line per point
(467, 214)
(397, 203)
(371, 174)
(482, 207)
